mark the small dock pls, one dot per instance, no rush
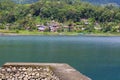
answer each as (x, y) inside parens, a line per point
(61, 70)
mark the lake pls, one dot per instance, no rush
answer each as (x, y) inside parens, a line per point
(96, 57)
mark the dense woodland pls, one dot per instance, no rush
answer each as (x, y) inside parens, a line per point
(82, 16)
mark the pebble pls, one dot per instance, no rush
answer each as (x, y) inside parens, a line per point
(27, 73)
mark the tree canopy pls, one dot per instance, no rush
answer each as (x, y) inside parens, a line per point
(62, 11)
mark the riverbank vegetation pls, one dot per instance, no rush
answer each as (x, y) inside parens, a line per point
(59, 16)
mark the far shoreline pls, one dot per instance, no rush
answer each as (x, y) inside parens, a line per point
(57, 34)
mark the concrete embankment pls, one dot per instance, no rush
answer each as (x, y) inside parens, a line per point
(40, 71)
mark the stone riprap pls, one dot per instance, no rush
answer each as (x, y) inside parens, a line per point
(40, 71)
(27, 73)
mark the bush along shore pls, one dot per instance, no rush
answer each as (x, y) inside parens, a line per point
(27, 73)
(59, 16)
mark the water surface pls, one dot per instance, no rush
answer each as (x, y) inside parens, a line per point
(96, 57)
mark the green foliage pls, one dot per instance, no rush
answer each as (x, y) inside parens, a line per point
(26, 16)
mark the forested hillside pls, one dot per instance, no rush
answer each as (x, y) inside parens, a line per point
(79, 16)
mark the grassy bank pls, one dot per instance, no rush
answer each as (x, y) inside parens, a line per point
(26, 32)
(103, 34)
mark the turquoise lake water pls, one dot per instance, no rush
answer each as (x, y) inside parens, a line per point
(96, 57)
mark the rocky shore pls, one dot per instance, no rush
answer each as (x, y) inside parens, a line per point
(27, 73)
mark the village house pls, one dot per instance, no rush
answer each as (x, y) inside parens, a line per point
(65, 28)
(85, 21)
(41, 27)
(54, 26)
(97, 26)
(7, 27)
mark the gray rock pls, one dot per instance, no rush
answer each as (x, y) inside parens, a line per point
(27, 73)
